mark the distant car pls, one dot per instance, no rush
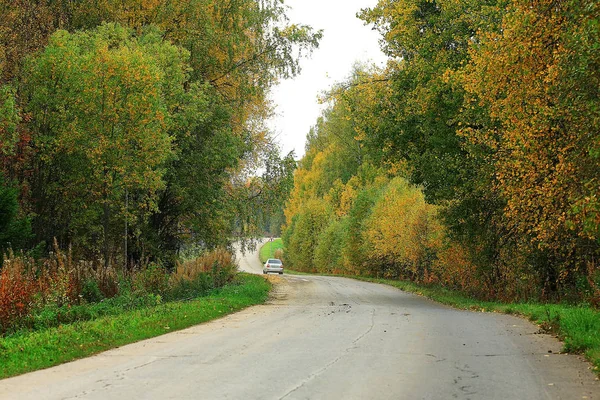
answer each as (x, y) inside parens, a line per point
(273, 265)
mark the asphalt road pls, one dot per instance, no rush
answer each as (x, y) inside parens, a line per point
(328, 338)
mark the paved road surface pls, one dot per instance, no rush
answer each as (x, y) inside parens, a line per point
(328, 338)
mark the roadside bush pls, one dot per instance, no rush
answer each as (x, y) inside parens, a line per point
(302, 236)
(454, 270)
(38, 294)
(51, 315)
(152, 279)
(211, 270)
(355, 251)
(328, 254)
(279, 254)
(593, 284)
(402, 233)
(90, 291)
(17, 290)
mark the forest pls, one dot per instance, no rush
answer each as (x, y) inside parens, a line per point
(471, 160)
(129, 130)
(131, 133)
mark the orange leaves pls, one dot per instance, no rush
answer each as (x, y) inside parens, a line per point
(542, 156)
(17, 288)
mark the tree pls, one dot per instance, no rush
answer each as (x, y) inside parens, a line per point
(98, 105)
(15, 230)
(536, 75)
(402, 232)
(303, 233)
(215, 60)
(9, 118)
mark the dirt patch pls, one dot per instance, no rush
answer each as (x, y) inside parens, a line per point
(274, 279)
(279, 292)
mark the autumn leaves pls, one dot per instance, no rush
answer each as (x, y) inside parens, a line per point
(492, 109)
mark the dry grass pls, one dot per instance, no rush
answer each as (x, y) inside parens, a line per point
(219, 264)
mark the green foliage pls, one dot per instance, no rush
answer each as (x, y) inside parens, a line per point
(328, 252)
(9, 118)
(90, 292)
(15, 231)
(152, 280)
(496, 144)
(116, 326)
(376, 225)
(403, 233)
(98, 98)
(134, 134)
(302, 236)
(491, 109)
(545, 122)
(260, 200)
(39, 294)
(355, 250)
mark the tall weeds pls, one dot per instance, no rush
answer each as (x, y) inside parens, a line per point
(58, 289)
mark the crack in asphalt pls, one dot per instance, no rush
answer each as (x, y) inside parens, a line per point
(337, 359)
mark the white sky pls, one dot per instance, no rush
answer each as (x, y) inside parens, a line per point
(345, 40)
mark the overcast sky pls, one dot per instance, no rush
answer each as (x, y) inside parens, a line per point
(346, 40)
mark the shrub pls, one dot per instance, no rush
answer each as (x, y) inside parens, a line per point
(57, 290)
(356, 250)
(153, 279)
(211, 270)
(402, 232)
(17, 290)
(91, 292)
(279, 254)
(302, 236)
(328, 254)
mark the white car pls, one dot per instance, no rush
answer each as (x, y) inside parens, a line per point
(273, 265)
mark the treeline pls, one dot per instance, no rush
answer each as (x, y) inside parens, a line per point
(128, 129)
(472, 160)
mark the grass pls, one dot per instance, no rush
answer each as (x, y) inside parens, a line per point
(268, 249)
(29, 351)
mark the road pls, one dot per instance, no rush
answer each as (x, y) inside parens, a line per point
(328, 338)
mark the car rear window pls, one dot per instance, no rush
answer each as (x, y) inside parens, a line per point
(274, 261)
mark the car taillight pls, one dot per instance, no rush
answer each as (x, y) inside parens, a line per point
(268, 266)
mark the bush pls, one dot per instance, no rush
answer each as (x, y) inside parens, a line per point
(15, 231)
(17, 290)
(302, 236)
(152, 279)
(44, 293)
(279, 254)
(328, 254)
(355, 252)
(91, 292)
(211, 270)
(403, 233)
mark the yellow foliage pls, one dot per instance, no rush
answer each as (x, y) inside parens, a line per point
(403, 230)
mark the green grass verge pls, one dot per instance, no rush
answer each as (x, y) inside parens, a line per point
(268, 249)
(28, 351)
